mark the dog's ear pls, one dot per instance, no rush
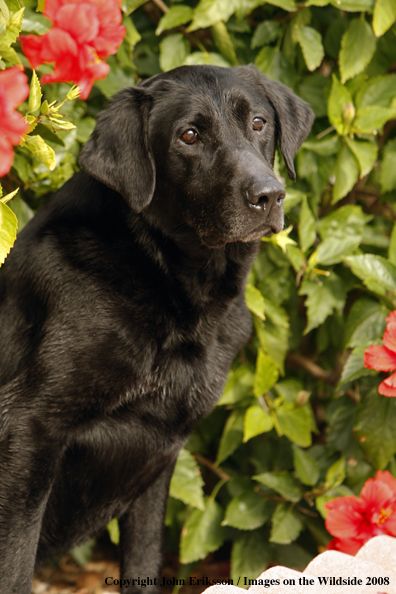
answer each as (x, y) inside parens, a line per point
(294, 117)
(118, 153)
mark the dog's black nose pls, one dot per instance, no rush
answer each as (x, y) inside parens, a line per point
(264, 193)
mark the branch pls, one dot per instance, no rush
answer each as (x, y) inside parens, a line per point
(205, 462)
(161, 5)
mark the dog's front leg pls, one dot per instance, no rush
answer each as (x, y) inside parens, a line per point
(28, 459)
(141, 536)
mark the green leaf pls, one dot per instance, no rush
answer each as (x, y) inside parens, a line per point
(4, 12)
(223, 42)
(250, 555)
(313, 89)
(40, 150)
(82, 554)
(232, 435)
(357, 48)
(255, 301)
(132, 36)
(339, 100)
(286, 525)
(322, 299)
(210, 12)
(353, 5)
(306, 467)
(330, 145)
(129, 6)
(281, 239)
(378, 92)
(375, 428)
(177, 15)
(388, 169)
(295, 423)
(9, 54)
(114, 531)
(35, 23)
(296, 257)
(365, 323)
(22, 211)
(346, 174)
(209, 58)
(8, 229)
(341, 419)
(202, 533)
(392, 246)
(275, 65)
(335, 475)
(266, 374)
(187, 483)
(371, 119)
(85, 128)
(371, 267)
(13, 28)
(281, 482)
(306, 228)
(238, 386)
(273, 339)
(384, 16)
(35, 94)
(354, 368)
(342, 232)
(248, 511)
(174, 49)
(257, 421)
(118, 78)
(265, 33)
(365, 152)
(40, 5)
(288, 5)
(311, 44)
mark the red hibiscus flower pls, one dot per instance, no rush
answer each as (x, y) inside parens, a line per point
(13, 90)
(383, 357)
(83, 32)
(353, 521)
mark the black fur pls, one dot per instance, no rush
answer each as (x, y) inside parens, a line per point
(122, 308)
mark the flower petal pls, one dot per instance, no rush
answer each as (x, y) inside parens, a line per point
(108, 40)
(51, 8)
(385, 477)
(350, 546)
(380, 358)
(388, 386)
(79, 20)
(13, 126)
(6, 156)
(375, 496)
(344, 521)
(392, 317)
(390, 335)
(13, 86)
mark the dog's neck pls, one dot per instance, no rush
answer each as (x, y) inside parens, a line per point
(212, 273)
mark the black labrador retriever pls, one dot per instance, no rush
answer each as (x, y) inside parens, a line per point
(122, 308)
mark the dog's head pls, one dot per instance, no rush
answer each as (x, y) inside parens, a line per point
(195, 146)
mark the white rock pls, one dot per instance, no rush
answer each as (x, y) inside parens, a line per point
(380, 550)
(335, 565)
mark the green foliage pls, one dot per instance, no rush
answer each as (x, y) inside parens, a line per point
(300, 421)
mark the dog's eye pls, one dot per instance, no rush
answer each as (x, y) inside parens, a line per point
(258, 124)
(189, 136)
